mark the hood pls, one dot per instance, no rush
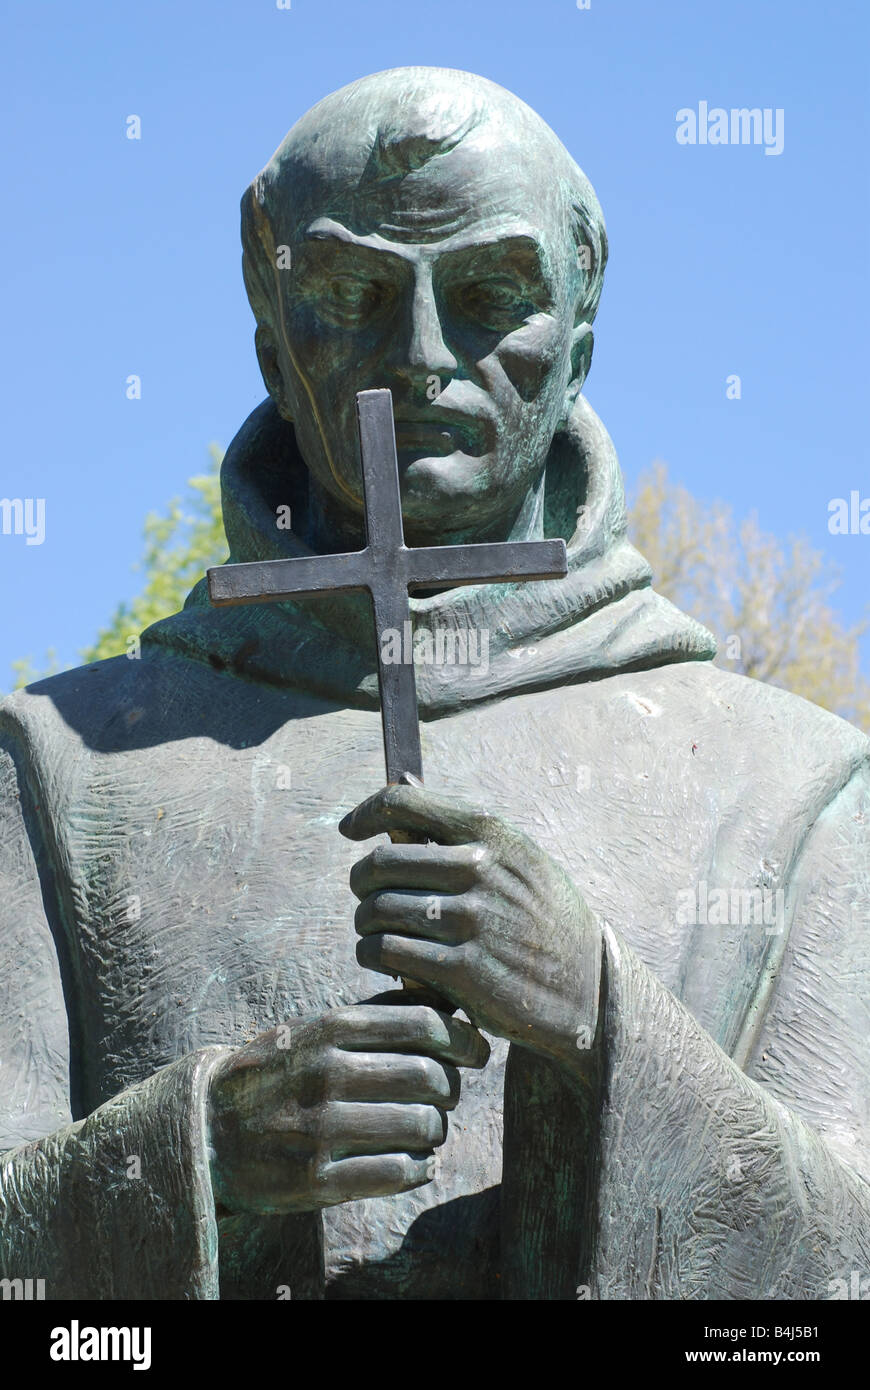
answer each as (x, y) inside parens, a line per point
(602, 618)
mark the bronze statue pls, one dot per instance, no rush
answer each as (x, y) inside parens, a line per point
(209, 1088)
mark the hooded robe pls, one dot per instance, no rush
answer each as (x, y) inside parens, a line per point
(172, 883)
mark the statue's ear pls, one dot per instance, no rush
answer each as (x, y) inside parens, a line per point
(267, 356)
(582, 342)
(581, 359)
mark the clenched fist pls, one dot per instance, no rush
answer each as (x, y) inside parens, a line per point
(480, 915)
(332, 1109)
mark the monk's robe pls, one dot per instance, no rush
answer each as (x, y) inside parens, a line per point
(173, 882)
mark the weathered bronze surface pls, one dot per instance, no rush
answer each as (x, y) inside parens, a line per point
(387, 569)
(203, 1094)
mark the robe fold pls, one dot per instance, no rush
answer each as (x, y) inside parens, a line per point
(172, 883)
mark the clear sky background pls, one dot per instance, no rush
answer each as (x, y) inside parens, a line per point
(123, 256)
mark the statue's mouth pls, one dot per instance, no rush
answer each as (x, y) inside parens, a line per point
(439, 432)
(414, 436)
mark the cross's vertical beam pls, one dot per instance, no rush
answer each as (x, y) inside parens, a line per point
(389, 582)
(387, 569)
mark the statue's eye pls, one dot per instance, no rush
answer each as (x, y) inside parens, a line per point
(346, 289)
(352, 295)
(498, 304)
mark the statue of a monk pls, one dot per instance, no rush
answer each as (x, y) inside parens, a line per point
(644, 892)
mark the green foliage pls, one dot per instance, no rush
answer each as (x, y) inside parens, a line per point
(179, 547)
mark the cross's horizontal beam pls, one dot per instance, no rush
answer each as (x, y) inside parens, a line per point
(387, 569)
(259, 581)
(502, 561)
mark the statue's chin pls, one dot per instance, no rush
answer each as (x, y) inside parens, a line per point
(443, 498)
(432, 481)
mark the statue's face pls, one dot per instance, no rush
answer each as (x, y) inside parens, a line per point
(454, 287)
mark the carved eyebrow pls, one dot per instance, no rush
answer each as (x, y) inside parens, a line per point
(325, 229)
(512, 242)
(329, 236)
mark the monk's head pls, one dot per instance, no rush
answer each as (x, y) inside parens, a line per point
(424, 230)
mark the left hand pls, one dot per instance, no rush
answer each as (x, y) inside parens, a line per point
(482, 916)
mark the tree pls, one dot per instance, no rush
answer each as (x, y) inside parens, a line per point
(179, 547)
(767, 602)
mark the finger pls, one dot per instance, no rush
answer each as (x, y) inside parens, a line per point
(434, 918)
(352, 1179)
(349, 1128)
(443, 868)
(446, 820)
(414, 1028)
(377, 1077)
(426, 962)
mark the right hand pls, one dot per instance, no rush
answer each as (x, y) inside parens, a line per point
(337, 1108)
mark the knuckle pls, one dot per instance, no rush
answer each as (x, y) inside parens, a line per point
(370, 952)
(417, 1114)
(399, 1170)
(453, 1078)
(328, 1072)
(377, 904)
(424, 1021)
(468, 1039)
(419, 1119)
(469, 912)
(320, 1171)
(358, 873)
(482, 857)
(329, 1128)
(321, 1139)
(428, 1074)
(338, 1020)
(379, 858)
(439, 1127)
(430, 1124)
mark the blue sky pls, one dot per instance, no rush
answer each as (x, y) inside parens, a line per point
(123, 257)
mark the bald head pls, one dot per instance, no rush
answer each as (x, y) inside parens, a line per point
(416, 153)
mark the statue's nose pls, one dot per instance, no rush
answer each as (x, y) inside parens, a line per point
(426, 354)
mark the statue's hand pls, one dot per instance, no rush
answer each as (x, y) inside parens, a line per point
(483, 917)
(332, 1109)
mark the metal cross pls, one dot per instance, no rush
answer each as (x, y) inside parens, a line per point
(387, 569)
